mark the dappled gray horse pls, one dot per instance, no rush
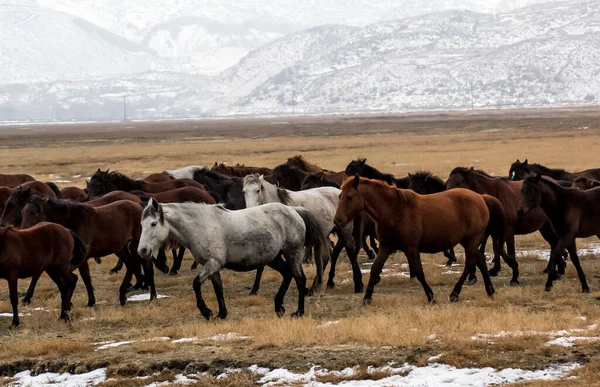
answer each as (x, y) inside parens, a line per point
(242, 240)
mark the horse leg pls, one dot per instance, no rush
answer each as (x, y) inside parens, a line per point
(66, 282)
(416, 268)
(284, 269)
(208, 270)
(29, 295)
(352, 252)
(451, 256)
(161, 261)
(294, 261)
(194, 266)
(321, 260)
(256, 284)
(373, 244)
(84, 272)
(509, 257)
(550, 236)
(14, 297)
(374, 278)
(131, 268)
(117, 267)
(149, 276)
(218, 286)
(471, 254)
(177, 260)
(482, 265)
(572, 249)
(555, 256)
(334, 257)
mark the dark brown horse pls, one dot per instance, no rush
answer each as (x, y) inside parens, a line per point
(12, 206)
(45, 247)
(157, 178)
(574, 214)
(114, 196)
(301, 163)
(289, 177)
(240, 170)
(584, 183)
(414, 223)
(103, 182)
(519, 170)
(111, 229)
(508, 192)
(74, 194)
(13, 181)
(361, 168)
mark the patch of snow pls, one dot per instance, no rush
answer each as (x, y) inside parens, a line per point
(229, 336)
(436, 357)
(185, 340)
(113, 345)
(489, 336)
(50, 379)
(570, 340)
(6, 314)
(452, 272)
(328, 324)
(144, 297)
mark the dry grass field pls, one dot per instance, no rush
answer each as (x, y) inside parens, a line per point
(337, 331)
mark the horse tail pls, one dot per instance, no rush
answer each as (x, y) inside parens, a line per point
(80, 250)
(216, 196)
(497, 223)
(314, 237)
(54, 189)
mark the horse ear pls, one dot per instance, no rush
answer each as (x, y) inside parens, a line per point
(409, 174)
(98, 171)
(538, 178)
(472, 168)
(525, 162)
(356, 180)
(154, 203)
(363, 161)
(518, 161)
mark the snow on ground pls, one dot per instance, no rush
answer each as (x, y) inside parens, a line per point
(570, 341)
(228, 337)
(405, 375)
(567, 341)
(144, 297)
(328, 324)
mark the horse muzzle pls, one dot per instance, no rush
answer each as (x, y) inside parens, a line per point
(144, 253)
(339, 223)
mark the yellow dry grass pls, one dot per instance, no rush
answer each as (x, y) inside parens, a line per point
(338, 331)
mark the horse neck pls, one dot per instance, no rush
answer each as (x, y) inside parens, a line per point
(484, 185)
(179, 228)
(67, 215)
(553, 200)
(556, 174)
(378, 198)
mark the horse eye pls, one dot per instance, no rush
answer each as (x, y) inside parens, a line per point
(257, 191)
(243, 191)
(153, 224)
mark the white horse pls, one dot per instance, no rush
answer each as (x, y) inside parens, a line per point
(185, 172)
(322, 202)
(242, 240)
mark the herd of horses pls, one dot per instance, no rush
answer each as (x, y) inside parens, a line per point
(245, 218)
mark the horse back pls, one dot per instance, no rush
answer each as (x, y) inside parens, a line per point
(40, 188)
(112, 226)
(13, 181)
(593, 173)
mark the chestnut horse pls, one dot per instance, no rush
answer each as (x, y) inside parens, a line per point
(239, 170)
(508, 192)
(45, 247)
(301, 163)
(157, 178)
(111, 229)
(519, 170)
(574, 214)
(103, 182)
(74, 194)
(414, 223)
(13, 181)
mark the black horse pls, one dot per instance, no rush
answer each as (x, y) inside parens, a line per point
(289, 177)
(519, 170)
(361, 168)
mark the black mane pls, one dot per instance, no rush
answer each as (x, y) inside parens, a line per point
(425, 182)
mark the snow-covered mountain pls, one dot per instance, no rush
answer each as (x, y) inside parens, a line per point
(369, 56)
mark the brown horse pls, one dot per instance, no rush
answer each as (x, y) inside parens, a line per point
(584, 183)
(13, 181)
(414, 223)
(114, 196)
(157, 178)
(302, 164)
(240, 170)
(103, 182)
(12, 204)
(111, 229)
(45, 247)
(574, 214)
(289, 177)
(74, 194)
(508, 192)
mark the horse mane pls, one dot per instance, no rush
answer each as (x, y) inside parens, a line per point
(307, 165)
(284, 196)
(546, 170)
(468, 170)
(253, 178)
(320, 176)
(62, 205)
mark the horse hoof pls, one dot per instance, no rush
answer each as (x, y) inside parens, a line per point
(494, 273)
(449, 263)
(432, 301)
(297, 314)
(123, 301)
(309, 292)
(25, 302)
(173, 272)
(253, 292)
(222, 316)
(546, 271)
(454, 297)
(371, 255)
(586, 290)
(548, 288)
(206, 313)
(13, 326)
(472, 281)
(280, 312)
(514, 283)
(358, 289)
(367, 301)
(91, 303)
